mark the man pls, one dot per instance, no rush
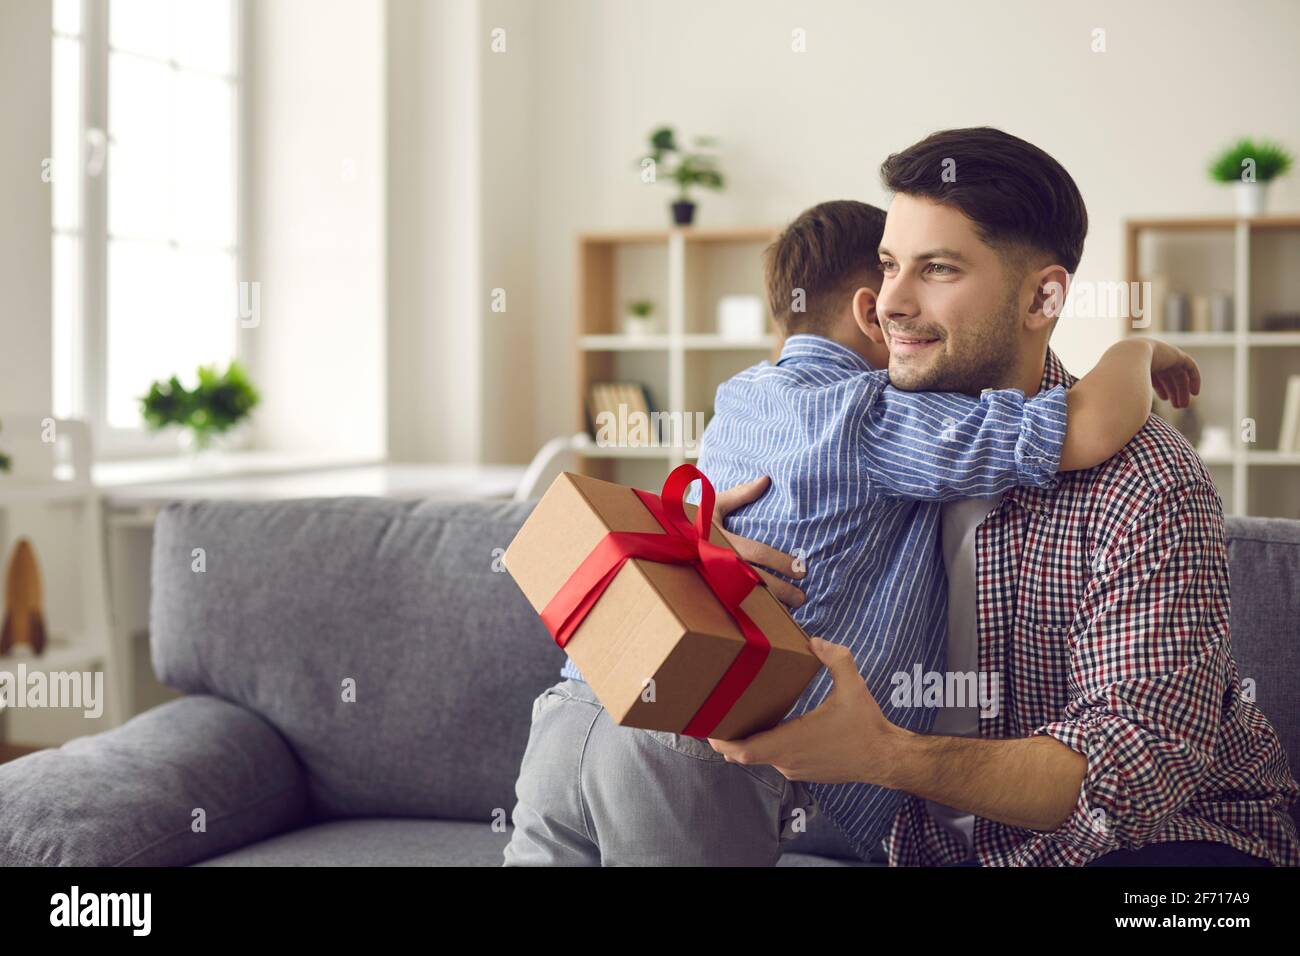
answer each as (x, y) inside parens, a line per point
(1121, 735)
(822, 417)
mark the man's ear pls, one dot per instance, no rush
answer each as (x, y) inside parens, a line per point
(1047, 298)
(864, 313)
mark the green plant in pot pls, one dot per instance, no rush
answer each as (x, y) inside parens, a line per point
(1250, 165)
(672, 164)
(219, 402)
(639, 319)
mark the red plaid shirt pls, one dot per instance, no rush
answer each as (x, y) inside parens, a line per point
(1103, 605)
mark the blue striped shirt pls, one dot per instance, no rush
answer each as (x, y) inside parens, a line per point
(858, 468)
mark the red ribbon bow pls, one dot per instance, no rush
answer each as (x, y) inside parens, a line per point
(727, 575)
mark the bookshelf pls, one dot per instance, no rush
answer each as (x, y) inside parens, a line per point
(1244, 367)
(49, 494)
(685, 272)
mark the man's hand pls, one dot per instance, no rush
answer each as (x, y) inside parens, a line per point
(845, 740)
(759, 555)
(1031, 782)
(1174, 374)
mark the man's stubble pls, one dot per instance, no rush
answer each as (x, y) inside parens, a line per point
(983, 355)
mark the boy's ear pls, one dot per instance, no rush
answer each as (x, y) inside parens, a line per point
(864, 313)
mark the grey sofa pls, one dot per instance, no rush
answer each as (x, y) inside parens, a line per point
(359, 675)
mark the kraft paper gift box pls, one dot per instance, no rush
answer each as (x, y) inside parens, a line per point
(658, 646)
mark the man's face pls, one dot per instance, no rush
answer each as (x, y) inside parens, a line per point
(948, 314)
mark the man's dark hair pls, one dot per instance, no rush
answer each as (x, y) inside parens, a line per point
(826, 254)
(1020, 199)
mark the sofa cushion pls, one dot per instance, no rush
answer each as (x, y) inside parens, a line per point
(128, 796)
(291, 606)
(811, 859)
(1264, 570)
(376, 842)
(408, 603)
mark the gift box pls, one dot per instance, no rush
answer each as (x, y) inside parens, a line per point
(670, 627)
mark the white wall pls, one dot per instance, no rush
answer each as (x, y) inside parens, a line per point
(1135, 125)
(515, 164)
(434, 278)
(24, 207)
(25, 355)
(399, 170)
(316, 181)
(462, 192)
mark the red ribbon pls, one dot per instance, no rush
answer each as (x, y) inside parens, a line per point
(728, 577)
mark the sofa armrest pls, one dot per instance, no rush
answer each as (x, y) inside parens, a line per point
(130, 796)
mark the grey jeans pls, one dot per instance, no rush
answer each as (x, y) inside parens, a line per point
(592, 793)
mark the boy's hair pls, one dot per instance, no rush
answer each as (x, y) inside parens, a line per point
(827, 253)
(1021, 200)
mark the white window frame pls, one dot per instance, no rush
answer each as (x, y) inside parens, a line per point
(90, 361)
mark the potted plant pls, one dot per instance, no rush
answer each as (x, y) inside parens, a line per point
(1250, 165)
(675, 165)
(218, 403)
(639, 319)
(5, 462)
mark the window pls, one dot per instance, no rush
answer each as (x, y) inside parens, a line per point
(145, 100)
(66, 135)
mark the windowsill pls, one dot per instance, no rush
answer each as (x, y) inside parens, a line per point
(217, 464)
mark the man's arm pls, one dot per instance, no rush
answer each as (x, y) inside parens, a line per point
(1032, 783)
(1150, 663)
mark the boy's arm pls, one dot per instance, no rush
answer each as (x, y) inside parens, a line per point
(1110, 404)
(943, 445)
(934, 446)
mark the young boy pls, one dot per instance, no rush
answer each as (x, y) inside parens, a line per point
(857, 470)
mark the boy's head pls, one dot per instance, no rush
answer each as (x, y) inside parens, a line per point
(823, 273)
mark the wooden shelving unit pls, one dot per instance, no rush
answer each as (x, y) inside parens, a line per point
(684, 272)
(45, 485)
(1257, 261)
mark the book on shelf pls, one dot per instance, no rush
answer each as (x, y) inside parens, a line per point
(621, 412)
(1289, 438)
